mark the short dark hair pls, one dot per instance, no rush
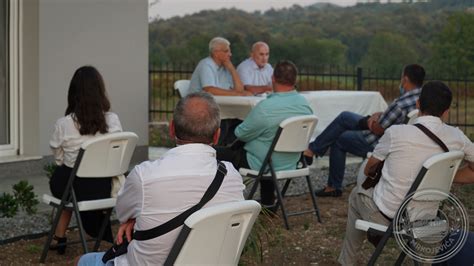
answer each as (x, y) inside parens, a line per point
(194, 125)
(285, 73)
(435, 98)
(415, 73)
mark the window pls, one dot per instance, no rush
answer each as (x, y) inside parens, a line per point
(8, 77)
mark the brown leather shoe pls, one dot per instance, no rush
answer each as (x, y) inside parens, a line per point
(324, 193)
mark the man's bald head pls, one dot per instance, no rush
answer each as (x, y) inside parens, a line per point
(196, 118)
(260, 54)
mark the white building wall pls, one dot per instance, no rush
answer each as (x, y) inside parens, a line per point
(111, 35)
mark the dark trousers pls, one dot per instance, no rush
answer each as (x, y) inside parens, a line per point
(85, 189)
(237, 155)
(227, 131)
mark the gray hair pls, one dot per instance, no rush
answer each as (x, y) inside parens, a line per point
(258, 44)
(196, 118)
(216, 42)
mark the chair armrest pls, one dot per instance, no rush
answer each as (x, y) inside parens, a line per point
(365, 226)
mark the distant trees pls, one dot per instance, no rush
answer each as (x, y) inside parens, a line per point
(388, 52)
(379, 36)
(454, 47)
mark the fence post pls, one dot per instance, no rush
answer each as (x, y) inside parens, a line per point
(360, 79)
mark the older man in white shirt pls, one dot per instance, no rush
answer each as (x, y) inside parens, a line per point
(255, 72)
(157, 191)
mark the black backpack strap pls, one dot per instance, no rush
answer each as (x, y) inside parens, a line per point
(432, 136)
(179, 220)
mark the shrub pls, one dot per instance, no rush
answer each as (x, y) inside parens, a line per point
(8, 205)
(23, 197)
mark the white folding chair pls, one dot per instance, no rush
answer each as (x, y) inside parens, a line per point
(102, 156)
(293, 136)
(215, 235)
(182, 86)
(436, 174)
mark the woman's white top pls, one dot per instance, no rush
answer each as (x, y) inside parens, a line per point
(66, 140)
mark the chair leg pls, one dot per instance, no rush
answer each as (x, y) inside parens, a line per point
(102, 229)
(381, 245)
(81, 230)
(253, 189)
(285, 187)
(400, 258)
(283, 192)
(313, 198)
(50, 235)
(280, 202)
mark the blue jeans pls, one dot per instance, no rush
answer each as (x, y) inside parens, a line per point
(342, 135)
(94, 259)
(465, 256)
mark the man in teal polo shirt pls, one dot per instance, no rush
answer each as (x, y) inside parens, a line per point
(260, 126)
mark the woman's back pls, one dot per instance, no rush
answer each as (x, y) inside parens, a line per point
(66, 139)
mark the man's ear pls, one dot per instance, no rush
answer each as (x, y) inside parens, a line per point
(216, 136)
(418, 104)
(172, 130)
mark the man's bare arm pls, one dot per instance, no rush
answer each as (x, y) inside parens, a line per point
(374, 126)
(258, 89)
(465, 175)
(238, 86)
(372, 161)
(223, 92)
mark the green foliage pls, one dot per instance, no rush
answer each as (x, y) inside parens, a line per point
(263, 228)
(311, 51)
(388, 53)
(454, 48)
(49, 169)
(320, 34)
(35, 249)
(8, 205)
(23, 197)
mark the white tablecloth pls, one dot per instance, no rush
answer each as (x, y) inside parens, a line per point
(325, 104)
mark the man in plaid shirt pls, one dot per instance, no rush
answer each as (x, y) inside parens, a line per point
(353, 133)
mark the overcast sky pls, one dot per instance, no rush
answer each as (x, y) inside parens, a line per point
(169, 8)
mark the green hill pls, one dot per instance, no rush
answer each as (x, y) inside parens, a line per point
(382, 36)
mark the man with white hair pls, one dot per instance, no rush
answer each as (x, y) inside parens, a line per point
(255, 71)
(216, 74)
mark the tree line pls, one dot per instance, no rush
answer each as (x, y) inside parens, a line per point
(438, 34)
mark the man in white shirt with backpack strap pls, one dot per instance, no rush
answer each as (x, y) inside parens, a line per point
(404, 148)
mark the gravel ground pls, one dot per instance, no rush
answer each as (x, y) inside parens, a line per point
(31, 226)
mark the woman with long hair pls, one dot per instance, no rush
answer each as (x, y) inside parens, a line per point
(87, 115)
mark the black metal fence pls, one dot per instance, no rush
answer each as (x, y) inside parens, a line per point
(162, 96)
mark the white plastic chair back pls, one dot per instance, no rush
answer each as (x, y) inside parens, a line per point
(182, 86)
(218, 234)
(435, 185)
(412, 116)
(296, 133)
(107, 155)
(441, 169)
